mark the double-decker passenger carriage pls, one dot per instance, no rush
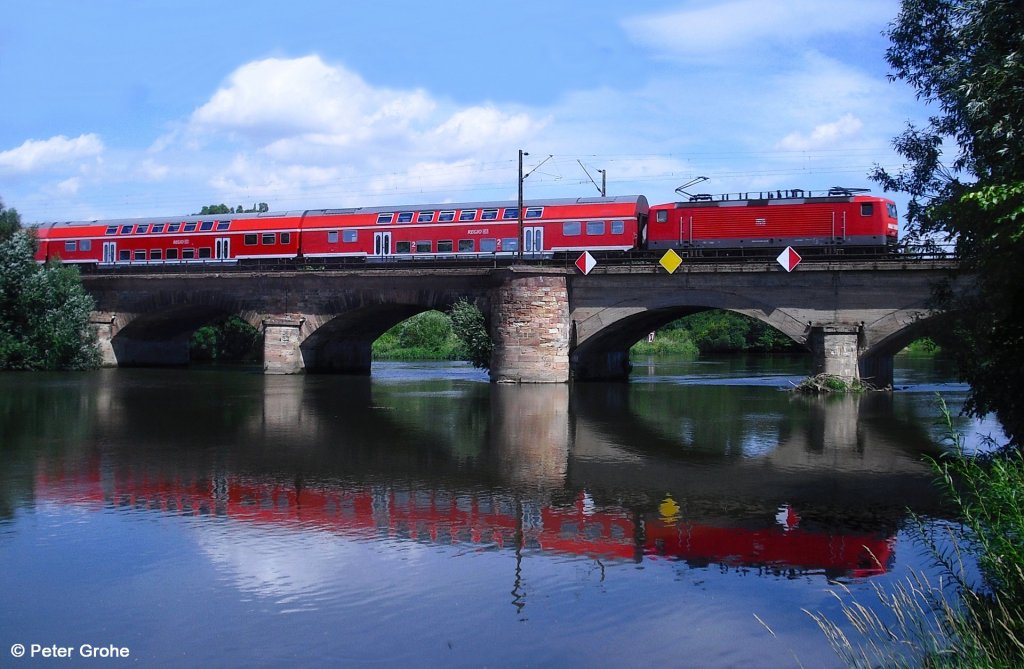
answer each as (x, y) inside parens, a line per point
(475, 229)
(464, 230)
(157, 241)
(844, 220)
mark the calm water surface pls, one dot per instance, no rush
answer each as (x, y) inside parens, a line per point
(424, 517)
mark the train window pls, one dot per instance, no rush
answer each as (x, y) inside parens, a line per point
(467, 215)
(423, 247)
(662, 216)
(126, 229)
(156, 254)
(534, 212)
(444, 246)
(403, 247)
(172, 254)
(349, 235)
(71, 246)
(189, 227)
(188, 254)
(488, 245)
(142, 229)
(595, 227)
(385, 218)
(332, 236)
(206, 226)
(204, 252)
(509, 243)
(124, 254)
(405, 217)
(571, 228)
(140, 255)
(268, 238)
(891, 208)
(511, 213)
(85, 245)
(223, 225)
(286, 238)
(158, 228)
(489, 215)
(174, 227)
(425, 217)
(250, 239)
(867, 208)
(111, 230)
(446, 216)
(465, 245)
(618, 227)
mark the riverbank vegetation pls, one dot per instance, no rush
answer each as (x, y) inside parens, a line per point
(973, 616)
(964, 172)
(714, 331)
(44, 310)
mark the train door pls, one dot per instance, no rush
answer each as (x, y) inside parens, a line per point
(222, 248)
(533, 241)
(381, 244)
(109, 252)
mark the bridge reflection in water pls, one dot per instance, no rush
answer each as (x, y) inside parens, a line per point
(707, 475)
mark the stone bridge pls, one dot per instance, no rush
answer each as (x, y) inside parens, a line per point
(549, 324)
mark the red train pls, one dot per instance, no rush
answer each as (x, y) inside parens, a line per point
(839, 222)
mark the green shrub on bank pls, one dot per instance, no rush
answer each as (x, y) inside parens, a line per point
(426, 336)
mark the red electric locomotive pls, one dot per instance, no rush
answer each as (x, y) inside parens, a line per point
(844, 220)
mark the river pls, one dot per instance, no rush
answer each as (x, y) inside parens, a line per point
(424, 517)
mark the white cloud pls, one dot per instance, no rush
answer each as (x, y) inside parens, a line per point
(752, 26)
(295, 126)
(275, 98)
(825, 135)
(69, 186)
(35, 155)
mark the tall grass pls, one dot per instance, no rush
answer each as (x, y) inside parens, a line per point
(973, 614)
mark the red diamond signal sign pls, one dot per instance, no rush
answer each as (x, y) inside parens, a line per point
(789, 259)
(586, 262)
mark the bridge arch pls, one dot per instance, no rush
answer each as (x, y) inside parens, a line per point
(602, 337)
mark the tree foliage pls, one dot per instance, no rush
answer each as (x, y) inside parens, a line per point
(258, 208)
(10, 222)
(44, 311)
(468, 323)
(965, 176)
(230, 340)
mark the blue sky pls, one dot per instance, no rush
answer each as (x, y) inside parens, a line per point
(117, 108)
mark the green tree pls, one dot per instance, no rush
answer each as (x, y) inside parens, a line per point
(44, 311)
(232, 340)
(965, 178)
(468, 323)
(10, 222)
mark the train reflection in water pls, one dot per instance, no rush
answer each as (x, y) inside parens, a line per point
(493, 520)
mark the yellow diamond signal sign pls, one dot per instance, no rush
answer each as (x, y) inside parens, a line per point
(670, 261)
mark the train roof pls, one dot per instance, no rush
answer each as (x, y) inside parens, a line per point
(776, 197)
(637, 200)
